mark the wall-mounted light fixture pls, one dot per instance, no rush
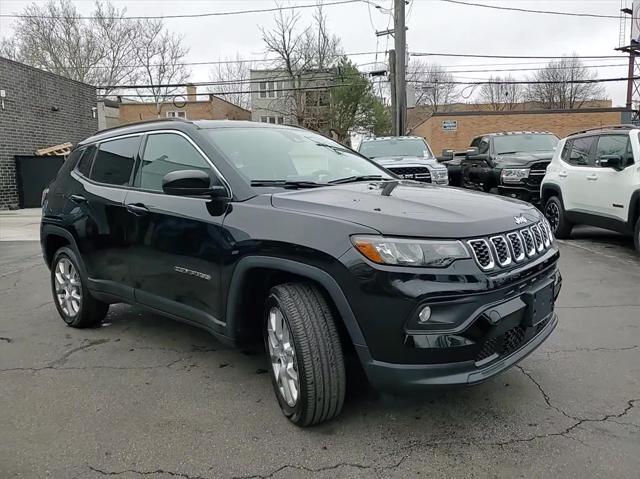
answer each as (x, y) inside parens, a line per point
(3, 94)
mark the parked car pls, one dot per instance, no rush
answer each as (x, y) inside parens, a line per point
(409, 157)
(267, 232)
(594, 179)
(509, 163)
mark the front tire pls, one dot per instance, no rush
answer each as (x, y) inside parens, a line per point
(305, 354)
(555, 214)
(73, 301)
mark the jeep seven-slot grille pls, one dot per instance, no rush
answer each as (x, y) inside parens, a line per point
(418, 173)
(482, 253)
(502, 250)
(515, 246)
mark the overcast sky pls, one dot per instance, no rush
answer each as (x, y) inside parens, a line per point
(434, 26)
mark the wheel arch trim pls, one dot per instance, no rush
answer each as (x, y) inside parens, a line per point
(552, 188)
(313, 273)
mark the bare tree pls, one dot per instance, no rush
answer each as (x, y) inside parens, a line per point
(501, 96)
(233, 78)
(567, 84)
(434, 86)
(55, 38)
(160, 54)
(302, 58)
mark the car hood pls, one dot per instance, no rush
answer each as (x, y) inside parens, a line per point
(522, 159)
(399, 161)
(407, 208)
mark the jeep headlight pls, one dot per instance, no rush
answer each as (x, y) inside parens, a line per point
(514, 175)
(410, 252)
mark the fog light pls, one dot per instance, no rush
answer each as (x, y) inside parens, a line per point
(424, 315)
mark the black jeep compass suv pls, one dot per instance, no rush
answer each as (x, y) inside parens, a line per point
(251, 230)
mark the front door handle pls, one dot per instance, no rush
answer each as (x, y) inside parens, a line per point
(562, 174)
(137, 209)
(593, 177)
(78, 199)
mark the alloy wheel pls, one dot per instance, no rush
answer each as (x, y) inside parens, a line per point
(68, 287)
(552, 213)
(283, 357)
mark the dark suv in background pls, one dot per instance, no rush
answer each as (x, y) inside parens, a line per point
(275, 233)
(508, 163)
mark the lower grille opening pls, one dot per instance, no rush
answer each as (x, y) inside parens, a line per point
(501, 345)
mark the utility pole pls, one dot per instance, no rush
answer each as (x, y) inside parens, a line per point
(392, 79)
(400, 37)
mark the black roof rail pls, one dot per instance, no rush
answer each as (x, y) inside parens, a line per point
(607, 127)
(142, 122)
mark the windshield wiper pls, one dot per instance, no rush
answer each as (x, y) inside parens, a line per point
(353, 179)
(287, 183)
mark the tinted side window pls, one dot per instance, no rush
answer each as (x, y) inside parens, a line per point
(618, 145)
(114, 162)
(566, 151)
(164, 153)
(84, 165)
(483, 146)
(580, 151)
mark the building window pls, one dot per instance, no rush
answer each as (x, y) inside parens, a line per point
(271, 89)
(272, 119)
(176, 114)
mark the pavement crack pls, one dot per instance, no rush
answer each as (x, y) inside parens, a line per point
(145, 473)
(82, 368)
(63, 359)
(8, 340)
(577, 350)
(546, 397)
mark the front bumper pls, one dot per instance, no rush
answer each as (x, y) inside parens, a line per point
(393, 377)
(530, 195)
(481, 324)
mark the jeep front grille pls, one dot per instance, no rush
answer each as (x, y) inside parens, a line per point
(482, 253)
(503, 255)
(501, 251)
(517, 247)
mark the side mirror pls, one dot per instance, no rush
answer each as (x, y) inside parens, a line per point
(611, 161)
(447, 154)
(192, 183)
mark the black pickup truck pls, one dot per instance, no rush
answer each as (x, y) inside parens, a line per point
(509, 163)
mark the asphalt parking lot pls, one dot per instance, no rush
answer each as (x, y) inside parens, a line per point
(143, 396)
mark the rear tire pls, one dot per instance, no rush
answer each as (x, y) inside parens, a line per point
(636, 236)
(305, 354)
(555, 214)
(71, 296)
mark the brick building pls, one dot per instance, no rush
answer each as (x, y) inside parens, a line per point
(194, 107)
(456, 129)
(38, 109)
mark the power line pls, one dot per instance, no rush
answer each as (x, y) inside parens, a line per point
(544, 57)
(524, 69)
(529, 10)
(222, 93)
(524, 82)
(189, 15)
(211, 62)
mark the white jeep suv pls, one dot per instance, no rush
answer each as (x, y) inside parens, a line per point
(594, 179)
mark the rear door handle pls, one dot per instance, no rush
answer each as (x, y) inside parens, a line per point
(593, 177)
(78, 199)
(137, 209)
(562, 174)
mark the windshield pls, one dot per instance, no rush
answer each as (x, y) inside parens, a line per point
(395, 147)
(524, 143)
(289, 154)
